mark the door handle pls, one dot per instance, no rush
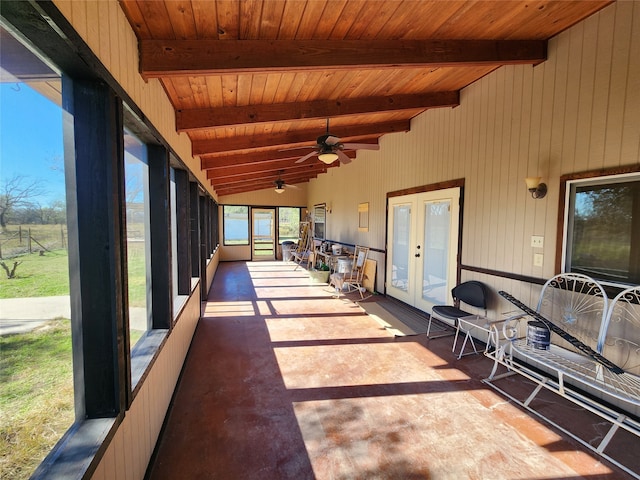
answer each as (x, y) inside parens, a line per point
(417, 255)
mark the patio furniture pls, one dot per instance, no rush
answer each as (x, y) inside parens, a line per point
(571, 361)
(472, 292)
(353, 278)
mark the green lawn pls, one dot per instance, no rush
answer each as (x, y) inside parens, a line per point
(36, 398)
(37, 276)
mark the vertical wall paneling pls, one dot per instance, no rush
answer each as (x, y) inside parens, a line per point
(578, 110)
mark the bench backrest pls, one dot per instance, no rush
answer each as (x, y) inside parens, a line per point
(578, 305)
(621, 331)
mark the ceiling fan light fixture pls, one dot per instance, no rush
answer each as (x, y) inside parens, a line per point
(328, 157)
(279, 189)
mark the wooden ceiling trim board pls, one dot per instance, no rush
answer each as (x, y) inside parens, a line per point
(369, 27)
(182, 19)
(229, 90)
(199, 57)
(258, 85)
(271, 19)
(308, 88)
(157, 19)
(205, 16)
(297, 137)
(352, 11)
(228, 19)
(284, 87)
(136, 18)
(308, 22)
(250, 19)
(291, 18)
(271, 88)
(243, 89)
(205, 118)
(332, 14)
(214, 90)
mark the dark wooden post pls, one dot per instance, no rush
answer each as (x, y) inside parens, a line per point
(94, 171)
(160, 220)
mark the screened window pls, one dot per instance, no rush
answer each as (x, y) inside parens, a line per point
(236, 225)
(319, 217)
(36, 369)
(288, 223)
(603, 235)
(138, 242)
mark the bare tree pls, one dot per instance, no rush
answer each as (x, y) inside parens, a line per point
(17, 192)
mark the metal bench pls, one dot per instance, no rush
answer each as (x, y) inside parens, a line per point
(592, 357)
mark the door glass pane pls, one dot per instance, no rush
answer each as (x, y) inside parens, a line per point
(400, 255)
(263, 234)
(437, 218)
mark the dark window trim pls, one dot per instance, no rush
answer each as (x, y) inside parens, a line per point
(160, 225)
(183, 217)
(562, 201)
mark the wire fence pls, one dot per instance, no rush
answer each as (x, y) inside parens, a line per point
(21, 240)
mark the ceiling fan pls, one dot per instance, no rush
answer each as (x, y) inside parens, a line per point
(280, 184)
(329, 148)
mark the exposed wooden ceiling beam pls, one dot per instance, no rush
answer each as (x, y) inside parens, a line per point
(266, 167)
(203, 118)
(202, 147)
(252, 172)
(267, 159)
(255, 185)
(162, 58)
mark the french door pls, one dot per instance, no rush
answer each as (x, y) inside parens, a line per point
(263, 234)
(423, 231)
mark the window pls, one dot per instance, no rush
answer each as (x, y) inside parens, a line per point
(603, 228)
(138, 243)
(288, 223)
(37, 392)
(236, 225)
(319, 216)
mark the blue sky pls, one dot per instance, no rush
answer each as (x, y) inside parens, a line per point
(31, 140)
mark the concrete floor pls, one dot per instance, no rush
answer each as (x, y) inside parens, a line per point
(283, 381)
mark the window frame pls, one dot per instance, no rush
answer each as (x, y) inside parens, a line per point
(224, 227)
(565, 212)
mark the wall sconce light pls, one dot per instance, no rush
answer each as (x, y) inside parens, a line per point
(328, 157)
(537, 189)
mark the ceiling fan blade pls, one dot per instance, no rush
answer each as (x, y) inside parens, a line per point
(331, 140)
(343, 157)
(308, 155)
(295, 187)
(298, 148)
(361, 146)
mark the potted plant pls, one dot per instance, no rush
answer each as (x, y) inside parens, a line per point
(320, 274)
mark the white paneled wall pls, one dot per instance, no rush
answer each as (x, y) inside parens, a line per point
(578, 111)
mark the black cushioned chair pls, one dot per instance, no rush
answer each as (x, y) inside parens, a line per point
(472, 293)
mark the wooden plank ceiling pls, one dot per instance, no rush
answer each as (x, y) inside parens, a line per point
(253, 82)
